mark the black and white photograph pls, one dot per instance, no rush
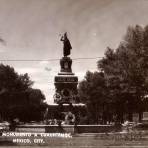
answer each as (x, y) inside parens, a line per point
(74, 73)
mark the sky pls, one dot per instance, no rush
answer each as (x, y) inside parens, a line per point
(31, 30)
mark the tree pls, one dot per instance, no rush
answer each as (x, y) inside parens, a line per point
(17, 97)
(127, 69)
(93, 92)
(36, 105)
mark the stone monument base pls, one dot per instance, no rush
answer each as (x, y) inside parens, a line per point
(65, 128)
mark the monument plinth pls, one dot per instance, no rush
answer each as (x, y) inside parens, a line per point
(66, 83)
(66, 63)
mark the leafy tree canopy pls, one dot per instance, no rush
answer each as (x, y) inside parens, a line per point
(17, 98)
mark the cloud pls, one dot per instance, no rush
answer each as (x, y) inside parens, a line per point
(27, 70)
(48, 69)
(2, 41)
(80, 75)
(42, 80)
(2, 50)
(47, 89)
(43, 62)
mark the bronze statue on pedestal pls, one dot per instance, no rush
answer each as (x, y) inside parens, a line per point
(66, 45)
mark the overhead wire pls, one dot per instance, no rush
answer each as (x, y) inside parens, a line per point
(40, 60)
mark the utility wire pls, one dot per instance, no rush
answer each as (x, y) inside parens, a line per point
(39, 60)
(87, 58)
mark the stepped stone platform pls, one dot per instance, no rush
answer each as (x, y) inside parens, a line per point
(65, 128)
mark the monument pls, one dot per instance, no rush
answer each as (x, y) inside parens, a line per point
(66, 93)
(66, 82)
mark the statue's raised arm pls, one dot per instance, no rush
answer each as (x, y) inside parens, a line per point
(66, 45)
